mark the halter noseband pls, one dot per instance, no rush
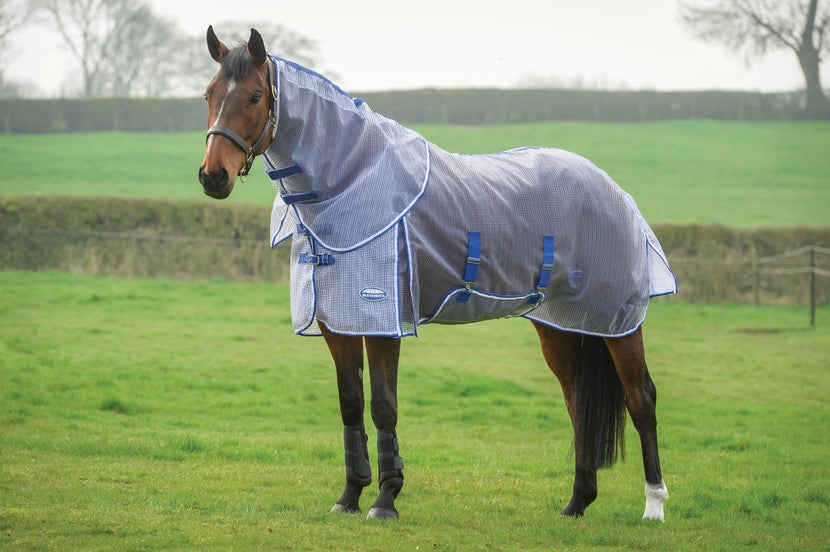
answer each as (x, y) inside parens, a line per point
(270, 127)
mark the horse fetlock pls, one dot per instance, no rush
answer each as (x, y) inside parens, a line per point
(656, 496)
(355, 443)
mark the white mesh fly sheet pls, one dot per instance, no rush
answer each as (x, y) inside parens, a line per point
(347, 154)
(390, 232)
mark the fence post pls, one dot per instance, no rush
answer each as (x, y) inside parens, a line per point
(812, 286)
(756, 277)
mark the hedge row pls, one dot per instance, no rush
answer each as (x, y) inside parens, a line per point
(473, 107)
(478, 106)
(206, 239)
(102, 114)
(139, 237)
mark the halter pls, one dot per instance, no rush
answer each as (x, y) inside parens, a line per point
(270, 127)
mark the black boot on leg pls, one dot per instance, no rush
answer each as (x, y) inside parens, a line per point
(390, 468)
(358, 469)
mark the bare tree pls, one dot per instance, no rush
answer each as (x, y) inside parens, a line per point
(85, 26)
(123, 48)
(142, 60)
(13, 15)
(758, 26)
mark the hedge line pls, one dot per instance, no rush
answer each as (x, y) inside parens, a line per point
(478, 106)
(102, 114)
(207, 239)
(139, 237)
(473, 107)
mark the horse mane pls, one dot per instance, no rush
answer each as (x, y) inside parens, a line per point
(237, 63)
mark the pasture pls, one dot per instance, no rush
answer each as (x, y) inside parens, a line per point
(740, 174)
(157, 414)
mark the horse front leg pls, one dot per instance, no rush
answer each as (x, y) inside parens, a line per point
(641, 398)
(347, 352)
(383, 354)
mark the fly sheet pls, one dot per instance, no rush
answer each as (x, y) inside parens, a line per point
(389, 231)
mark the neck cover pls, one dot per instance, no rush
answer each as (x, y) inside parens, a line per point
(333, 160)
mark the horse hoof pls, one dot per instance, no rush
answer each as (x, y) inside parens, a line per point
(575, 513)
(382, 513)
(573, 509)
(345, 509)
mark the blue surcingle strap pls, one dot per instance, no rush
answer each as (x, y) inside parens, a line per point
(285, 172)
(471, 268)
(546, 270)
(324, 259)
(288, 199)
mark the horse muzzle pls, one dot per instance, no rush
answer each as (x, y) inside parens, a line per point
(217, 184)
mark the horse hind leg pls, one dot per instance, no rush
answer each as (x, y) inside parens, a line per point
(564, 355)
(641, 398)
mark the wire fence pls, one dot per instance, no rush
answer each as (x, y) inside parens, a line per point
(796, 255)
(145, 255)
(795, 277)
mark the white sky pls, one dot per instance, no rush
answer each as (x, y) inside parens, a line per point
(385, 45)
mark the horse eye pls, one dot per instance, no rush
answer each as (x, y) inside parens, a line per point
(255, 98)
(205, 96)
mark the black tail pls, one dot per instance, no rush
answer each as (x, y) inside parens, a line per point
(599, 408)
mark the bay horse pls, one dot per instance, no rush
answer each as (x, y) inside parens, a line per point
(389, 232)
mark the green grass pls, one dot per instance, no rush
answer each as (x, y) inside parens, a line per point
(153, 414)
(737, 174)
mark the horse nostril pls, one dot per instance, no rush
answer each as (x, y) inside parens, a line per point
(215, 184)
(213, 180)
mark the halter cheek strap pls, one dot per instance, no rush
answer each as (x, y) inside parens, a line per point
(270, 128)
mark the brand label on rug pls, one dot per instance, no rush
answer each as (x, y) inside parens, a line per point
(373, 294)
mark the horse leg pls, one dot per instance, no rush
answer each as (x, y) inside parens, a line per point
(641, 397)
(347, 352)
(561, 351)
(383, 354)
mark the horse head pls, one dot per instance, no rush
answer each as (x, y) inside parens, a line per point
(240, 114)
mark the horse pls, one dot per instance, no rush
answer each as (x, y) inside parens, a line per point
(388, 231)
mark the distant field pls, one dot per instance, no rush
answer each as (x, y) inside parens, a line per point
(737, 174)
(163, 415)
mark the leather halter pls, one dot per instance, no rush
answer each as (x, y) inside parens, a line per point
(270, 127)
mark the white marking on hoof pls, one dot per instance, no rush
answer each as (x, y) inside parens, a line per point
(656, 496)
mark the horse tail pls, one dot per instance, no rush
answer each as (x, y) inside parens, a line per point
(599, 407)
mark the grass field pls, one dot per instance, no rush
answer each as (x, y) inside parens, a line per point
(153, 414)
(737, 174)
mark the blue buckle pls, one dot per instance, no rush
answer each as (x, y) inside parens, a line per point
(316, 260)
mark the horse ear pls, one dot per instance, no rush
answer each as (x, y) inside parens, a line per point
(256, 47)
(216, 47)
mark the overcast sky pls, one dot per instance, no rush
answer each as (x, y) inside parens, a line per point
(385, 45)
